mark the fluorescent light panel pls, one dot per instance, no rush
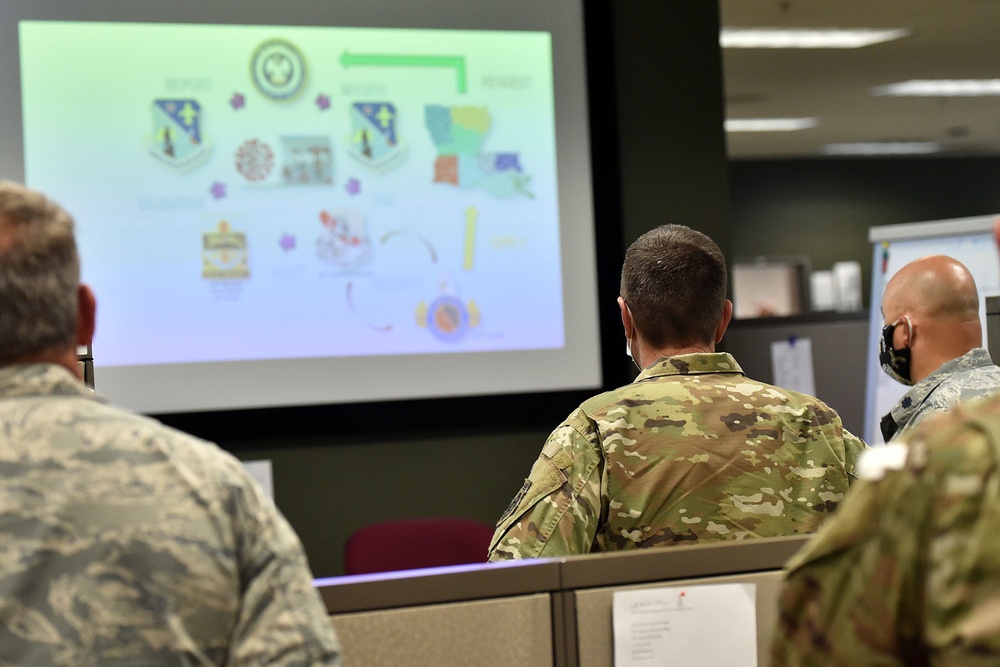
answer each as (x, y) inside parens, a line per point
(883, 148)
(770, 124)
(940, 88)
(806, 38)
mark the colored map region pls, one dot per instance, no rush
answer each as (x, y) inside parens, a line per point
(459, 134)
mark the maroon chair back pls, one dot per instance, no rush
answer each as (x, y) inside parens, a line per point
(406, 544)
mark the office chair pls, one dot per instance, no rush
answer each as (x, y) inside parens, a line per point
(406, 544)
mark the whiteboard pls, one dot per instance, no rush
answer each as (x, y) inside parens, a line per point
(969, 240)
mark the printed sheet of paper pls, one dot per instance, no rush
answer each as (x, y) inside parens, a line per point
(792, 364)
(686, 626)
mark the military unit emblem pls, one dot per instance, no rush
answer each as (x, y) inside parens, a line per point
(374, 139)
(177, 133)
(344, 241)
(278, 70)
(224, 253)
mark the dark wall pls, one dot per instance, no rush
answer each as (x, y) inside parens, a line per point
(823, 208)
(657, 75)
(671, 111)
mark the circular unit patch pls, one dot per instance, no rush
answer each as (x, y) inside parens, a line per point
(278, 70)
(448, 319)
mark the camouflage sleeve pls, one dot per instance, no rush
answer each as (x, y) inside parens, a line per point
(558, 509)
(282, 619)
(854, 447)
(849, 596)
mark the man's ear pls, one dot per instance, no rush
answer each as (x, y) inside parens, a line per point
(727, 316)
(86, 315)
(627, 322)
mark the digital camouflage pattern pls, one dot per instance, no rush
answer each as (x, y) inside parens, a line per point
(126, 543)
(692, 450)
(971, 376)
(908, 570)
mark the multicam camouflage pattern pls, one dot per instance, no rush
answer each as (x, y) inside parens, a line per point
(123, 542)
(908, 570)
(971, 376)
(692, 450)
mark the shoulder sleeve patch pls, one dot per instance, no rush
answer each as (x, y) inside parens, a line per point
(516, 501)
(875, 462)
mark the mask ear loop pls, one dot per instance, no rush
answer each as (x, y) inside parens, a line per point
(628, 343)
(909, 329)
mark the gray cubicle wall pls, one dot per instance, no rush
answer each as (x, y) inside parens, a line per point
(840, 356)
(541, 613)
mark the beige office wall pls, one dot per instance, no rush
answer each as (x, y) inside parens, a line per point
(593, 615)
(505, 631)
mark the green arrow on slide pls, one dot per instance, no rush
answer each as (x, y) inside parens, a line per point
(385, 60)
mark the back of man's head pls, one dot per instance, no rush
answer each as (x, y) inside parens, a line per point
(935, 286)
(674, 282)
(39, 274)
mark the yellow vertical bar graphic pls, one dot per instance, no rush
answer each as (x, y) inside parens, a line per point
(471, 214)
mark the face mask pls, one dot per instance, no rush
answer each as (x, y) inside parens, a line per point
(895, 363)
(628, 351)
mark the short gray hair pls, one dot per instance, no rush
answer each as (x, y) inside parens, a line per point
(39, 273)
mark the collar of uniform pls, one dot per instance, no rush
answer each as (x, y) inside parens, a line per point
(22, 380)
(698, 363)
(918, 393)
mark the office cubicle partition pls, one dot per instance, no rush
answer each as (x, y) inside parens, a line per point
(543, 613)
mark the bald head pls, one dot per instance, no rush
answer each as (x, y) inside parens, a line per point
(936, 286)
(937, 296)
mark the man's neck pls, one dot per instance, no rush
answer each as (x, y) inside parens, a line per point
(61, 357)
(649, 357)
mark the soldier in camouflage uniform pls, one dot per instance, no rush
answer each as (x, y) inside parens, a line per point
(932, 340)
(123, 542)
(908, 570)
(692, 450)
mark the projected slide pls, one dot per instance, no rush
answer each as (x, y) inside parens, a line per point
(254, 192)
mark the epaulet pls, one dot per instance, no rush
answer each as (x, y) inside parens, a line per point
(875, 462)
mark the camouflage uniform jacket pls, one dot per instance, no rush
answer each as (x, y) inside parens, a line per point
(973, 375)
(907, 572)
(125, 542)
(692, 450)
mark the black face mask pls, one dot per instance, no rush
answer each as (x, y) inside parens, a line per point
(895, 363)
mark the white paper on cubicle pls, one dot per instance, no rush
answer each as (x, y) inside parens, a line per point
(969, 240)
(792, 365)
(680, 626)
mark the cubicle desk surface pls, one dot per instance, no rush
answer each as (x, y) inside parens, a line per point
(437, 585)
(458, 583)
(621, 568)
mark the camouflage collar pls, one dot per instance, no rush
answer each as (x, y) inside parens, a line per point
(911, 401)
(698, 363)
(33, 380)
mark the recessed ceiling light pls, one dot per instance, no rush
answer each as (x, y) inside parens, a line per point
(940, 88)
(884, 148)
(805, 38)
(770, 124)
